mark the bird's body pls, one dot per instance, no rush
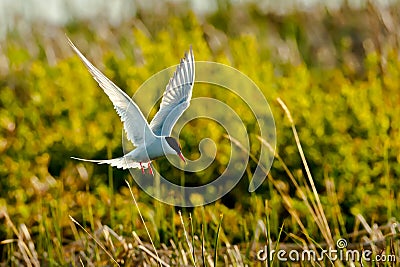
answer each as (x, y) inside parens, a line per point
(152, 140)
(141, 154)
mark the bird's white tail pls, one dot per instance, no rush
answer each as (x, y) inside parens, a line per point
(121, 162)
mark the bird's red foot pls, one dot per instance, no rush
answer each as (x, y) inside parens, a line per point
(149, 166)
(141, 166)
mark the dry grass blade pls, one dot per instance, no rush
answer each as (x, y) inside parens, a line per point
(216, 241)
(364, 223)
(8, 241)
(238, 255)
(202, 246)
(9, 222)
(95, 240)
(144, 224)
(193, 237)
(31, 246)
(187, 240)
(121, 239)
(183, 254)
(154, 256)
(326, 230)
(27, 250)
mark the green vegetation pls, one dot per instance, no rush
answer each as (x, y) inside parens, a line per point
(338, 72)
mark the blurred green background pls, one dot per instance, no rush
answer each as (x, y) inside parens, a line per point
(335, 64)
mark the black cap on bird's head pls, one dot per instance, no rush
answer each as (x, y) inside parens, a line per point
(174, 144)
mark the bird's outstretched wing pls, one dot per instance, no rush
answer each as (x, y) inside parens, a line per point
(176, 98)
(136, 127)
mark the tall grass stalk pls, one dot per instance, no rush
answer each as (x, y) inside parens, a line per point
(277, 243)
(144, 224)
(312, 202)
(268, 235)
(203, 255)
(190, 245)
(111, 186)
(192, 233)
(319, 210)
(159, 215)
(216, 241)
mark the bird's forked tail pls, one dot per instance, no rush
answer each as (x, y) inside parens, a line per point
(121, 162)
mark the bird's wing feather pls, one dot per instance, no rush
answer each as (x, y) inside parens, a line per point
(121, 162)
(135, 125)
(176, 98)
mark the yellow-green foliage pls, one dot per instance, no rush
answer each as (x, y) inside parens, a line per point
(348, 123)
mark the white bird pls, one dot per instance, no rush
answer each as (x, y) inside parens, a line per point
(154, 140)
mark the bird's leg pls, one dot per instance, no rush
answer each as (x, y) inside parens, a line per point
(149, 166)
(141, 166)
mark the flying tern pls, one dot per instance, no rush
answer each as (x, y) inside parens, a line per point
(152, 140)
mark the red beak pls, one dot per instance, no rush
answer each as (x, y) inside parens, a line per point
(181, 156)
